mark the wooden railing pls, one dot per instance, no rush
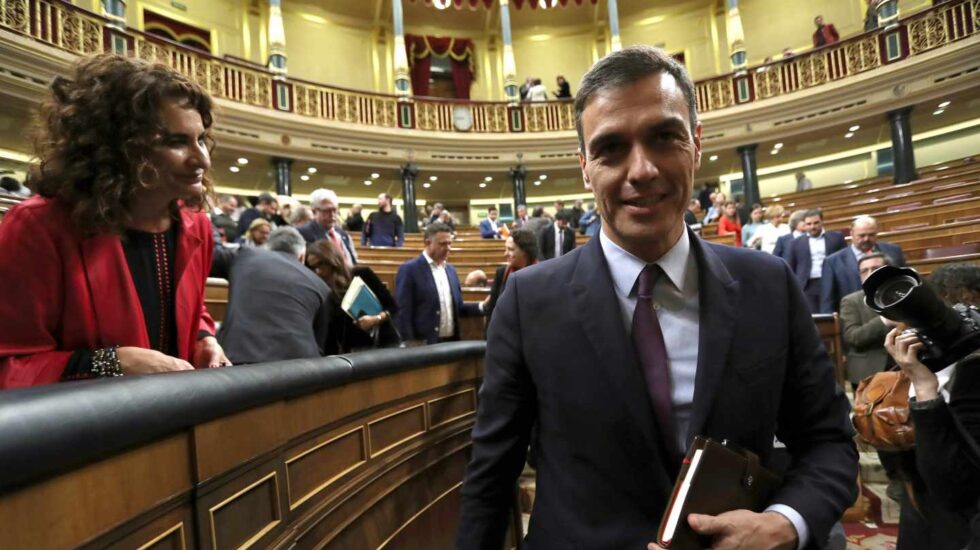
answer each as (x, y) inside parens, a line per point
(64, 26)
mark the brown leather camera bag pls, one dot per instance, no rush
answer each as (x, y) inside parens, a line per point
(881, 411)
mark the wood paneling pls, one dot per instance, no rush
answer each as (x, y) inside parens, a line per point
(227, 442)
(242, 519)
(396, 428)
(318, 466)
(451, 407)
(77, 506)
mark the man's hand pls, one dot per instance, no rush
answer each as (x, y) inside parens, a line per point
(368, 322)
(744, 530)
(208, 354)
(135, 360)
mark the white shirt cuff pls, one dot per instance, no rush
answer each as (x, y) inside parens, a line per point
(794, 517)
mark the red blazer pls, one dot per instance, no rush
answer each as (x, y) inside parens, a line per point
(63, 292)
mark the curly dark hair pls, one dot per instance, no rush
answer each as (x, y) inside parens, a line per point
(526, 240)
(957, 283)
(97, 130)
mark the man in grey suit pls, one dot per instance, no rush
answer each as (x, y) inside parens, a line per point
(278, 309)
(624, 349)
(863, 329)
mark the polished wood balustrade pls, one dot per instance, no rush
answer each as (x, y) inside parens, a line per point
(350, 452)
(64, 26)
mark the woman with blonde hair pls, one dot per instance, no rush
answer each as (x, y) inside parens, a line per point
(110, 260)
(765, 237)
(257, 234)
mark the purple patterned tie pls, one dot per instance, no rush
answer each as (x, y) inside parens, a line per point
(648, 341)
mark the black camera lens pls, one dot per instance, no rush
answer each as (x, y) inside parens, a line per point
(893, 291)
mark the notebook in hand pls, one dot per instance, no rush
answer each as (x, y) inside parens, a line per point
(714, 478)
(359, 300)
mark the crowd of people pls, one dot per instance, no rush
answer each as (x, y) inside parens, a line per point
(603, 352)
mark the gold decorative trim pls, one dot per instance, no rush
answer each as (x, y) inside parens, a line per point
(261, 533)
(419, 513)
(161, 536)
(470, 391)
(425, 421)
(322, 486)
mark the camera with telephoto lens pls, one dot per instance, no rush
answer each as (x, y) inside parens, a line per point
(948, 333)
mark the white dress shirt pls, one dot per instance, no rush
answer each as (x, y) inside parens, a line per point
(441, 276)
(676, 301)
(818, 251)
(559, 235)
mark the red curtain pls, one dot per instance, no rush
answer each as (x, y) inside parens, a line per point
(459, 50)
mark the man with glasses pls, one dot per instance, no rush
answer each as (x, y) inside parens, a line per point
(324, 224)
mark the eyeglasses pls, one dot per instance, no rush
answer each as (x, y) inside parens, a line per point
(331, 209)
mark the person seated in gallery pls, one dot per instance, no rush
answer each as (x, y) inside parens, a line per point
(111, 259)
(344, 333)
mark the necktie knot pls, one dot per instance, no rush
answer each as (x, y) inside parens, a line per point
(647, 279)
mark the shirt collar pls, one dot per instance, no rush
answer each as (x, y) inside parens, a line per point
(820, 236)
(429, 260)
(625, 267)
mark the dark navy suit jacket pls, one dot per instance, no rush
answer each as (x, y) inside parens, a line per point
(783, 246)
(841, 277)
(418, 301)
(799, 258)
(560, 358)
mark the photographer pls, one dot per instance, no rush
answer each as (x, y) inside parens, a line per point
(946, 411)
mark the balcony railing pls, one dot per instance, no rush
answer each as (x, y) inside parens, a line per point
(64, 26)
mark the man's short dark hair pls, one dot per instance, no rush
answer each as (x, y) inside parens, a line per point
(537, 212)
(434, 228)
(491, 209)
(625, 67)
(564, 215)
(9, 184)
(957, 283)
(813, 212)
(875, 255)
(266, 198)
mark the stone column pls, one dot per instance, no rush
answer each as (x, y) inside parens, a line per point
(903, 156)
(614, 40)
(277, 38)
(749, 177)
(409, 211)
(510, 66)
(518, 174)
(403, 84)
(282, 168)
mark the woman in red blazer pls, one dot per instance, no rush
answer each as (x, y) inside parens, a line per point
(104, 272)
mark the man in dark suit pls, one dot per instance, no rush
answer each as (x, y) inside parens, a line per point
(798, 227)
(277, 308)
(808, 252)
(558, 238)
(324, 225)
(620, 363)
(840, 270)
(490, 227)
(427, 291)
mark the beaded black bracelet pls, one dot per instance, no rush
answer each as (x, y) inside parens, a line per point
(105, 362)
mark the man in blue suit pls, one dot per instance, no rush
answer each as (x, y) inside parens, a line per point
(840, 270)
(324, 225)
(430, 300)
(490, 227)
(621, 351)
(808, 252)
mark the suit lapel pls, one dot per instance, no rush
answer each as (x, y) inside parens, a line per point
(597, 309)
(115, 305)
(717, 297)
